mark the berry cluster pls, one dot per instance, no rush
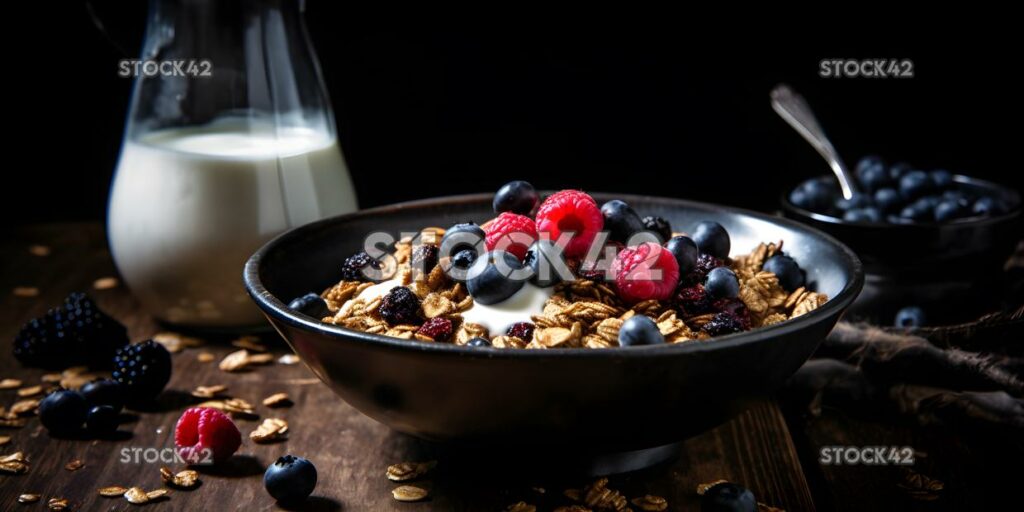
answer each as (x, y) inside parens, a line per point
(897, 194)
(75, 333)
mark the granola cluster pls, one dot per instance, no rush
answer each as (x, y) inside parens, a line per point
(583, 313)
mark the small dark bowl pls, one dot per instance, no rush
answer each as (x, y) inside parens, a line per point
(574, 401)
(926, 263)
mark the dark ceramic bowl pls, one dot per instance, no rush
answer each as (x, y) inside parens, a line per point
(927, 263)
(577, 402)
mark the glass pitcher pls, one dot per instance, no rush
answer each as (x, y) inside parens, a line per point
(229, 141)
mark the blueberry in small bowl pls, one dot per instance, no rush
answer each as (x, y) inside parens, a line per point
(923, 236)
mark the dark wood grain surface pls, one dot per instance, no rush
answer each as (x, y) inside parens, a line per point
(351, 452)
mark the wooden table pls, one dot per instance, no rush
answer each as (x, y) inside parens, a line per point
(351, 452)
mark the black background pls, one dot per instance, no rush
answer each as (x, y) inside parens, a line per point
(426, 109)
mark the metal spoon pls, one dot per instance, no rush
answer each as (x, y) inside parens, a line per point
(794, 110)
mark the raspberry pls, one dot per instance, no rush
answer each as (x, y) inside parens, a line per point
(205, 435)
(511, 232)
(352, 268)
(400, 306)
(571, 210)
(722, 323)
(634, 270)
(521, 330)
(692, 301)
(437, 329)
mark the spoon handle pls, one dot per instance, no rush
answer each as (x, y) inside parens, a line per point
(794, 110)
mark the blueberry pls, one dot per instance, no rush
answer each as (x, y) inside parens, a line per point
(461, 237)
(542, 258)
(489, 284)
(869, 214)
(101, 420)
(462, 260)
(722, 283)
(659, 226)
(639, 330)
(941, 179)
(290, 479)
(63, 411)
(888, 199)
(918, 211)
(910, 316)
(790, 275)
(855, 202)
(478, 342)
(873, 178)
(620, 220)
(104, 392)
(949, 210)
(959, 195)
(867, 162)
(728, 497)
(712, 239)
(311, 305)
(987, 206)
(915, 184)
(686, 252)
(815, 195)
(897, 170)
(516, 197)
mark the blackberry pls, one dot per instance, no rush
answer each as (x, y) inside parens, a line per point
(75, 333)
(400, 306)
(705, 264)
(96, 334)
(692, 301)
(352, 269)
(37, 345)
(437, 329)
(722, 323)
(425, 257)
(736, 308)
(521, 330)
(659, 226)
(143, 369)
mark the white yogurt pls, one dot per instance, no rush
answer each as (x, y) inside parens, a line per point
(529, 300)
(378, 290)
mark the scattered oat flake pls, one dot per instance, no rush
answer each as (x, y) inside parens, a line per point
(405, 471)
(136, 495)
(25, 291)
(12, 422)
(209, 391)
(522, 506)
(573, 508)
(703, 488)
(39, 250)
(57, 503)
(761, 507)
(183, 479)
(51, 378)
(24, 407)
(409, 493)
(175, 342)
(10, 383)
(271, 429)
(30, 391)
(74, 465)
(650, 503)
(105, 283)
(288, 359)
(235, 361)
(114, 491)
(277, 400)
(205, 357)
(157, 494)
(29, 498)
(920, 486)
(249, 343)
(15, 467)
(4, 440)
